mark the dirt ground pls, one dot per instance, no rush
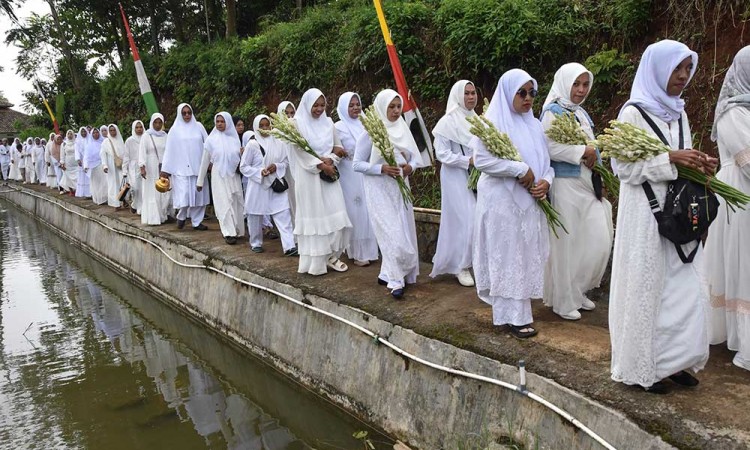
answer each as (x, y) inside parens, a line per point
(575, 354)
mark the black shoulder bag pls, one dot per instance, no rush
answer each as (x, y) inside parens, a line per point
(689, 207)
(279, 185)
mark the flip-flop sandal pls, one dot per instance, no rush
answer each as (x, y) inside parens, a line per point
(516, 331)
(337, 265)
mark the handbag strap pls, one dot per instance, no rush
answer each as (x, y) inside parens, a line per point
(657, 130)
(653, 203)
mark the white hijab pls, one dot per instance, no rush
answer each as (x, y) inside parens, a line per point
(318, 132)
(736, 88)
(92, 147)
(524, 130)
(398, 131)
(117, 142)
(283, 105)
(453, 125)
(184, 150)
(274, 149)
(224, 147)
(151, 129)
(563, 83)
(132, 131)
(650, 84)
(353, 126)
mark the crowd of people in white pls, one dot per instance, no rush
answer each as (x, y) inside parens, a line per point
(663, 313)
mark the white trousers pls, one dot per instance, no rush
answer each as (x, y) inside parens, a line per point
(196, 214)
(283, 220)
(4, 169)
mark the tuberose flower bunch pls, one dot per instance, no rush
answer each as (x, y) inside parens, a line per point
(379, 135)
(628, 143)
(566, 130)
(283, 128)
(500, 145)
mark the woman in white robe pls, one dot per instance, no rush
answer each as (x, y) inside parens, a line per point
(322, 226)
(15, 157)
(264, 161)
(579, 258)
(83, 183)
(511, 235)
(92, 165)
(363, 247)
(68, 163)
(728, 244)
(288, 108)
(112, 152)
(53, 158)
(39, 166)
(181, 163)
(222, 152)
(657, 304)
(453, 253)
(392, 218)
(130, 169)
(155, 206)
(25, 161)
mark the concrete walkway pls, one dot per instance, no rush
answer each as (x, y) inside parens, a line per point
(575, 354)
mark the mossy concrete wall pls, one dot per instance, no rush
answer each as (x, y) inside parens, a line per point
(422, 406)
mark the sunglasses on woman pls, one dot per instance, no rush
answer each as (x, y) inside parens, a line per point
(523, 93)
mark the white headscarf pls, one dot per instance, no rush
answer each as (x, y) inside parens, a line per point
(184, 149)
(282, 107)
(132, 131)
(151, 129)
(354, 126)
(563, 83)
(104, 129)
(92, 147)
(736, 88)
(74, 136)
(524, 130)
(398, 131)
(453, 125)
(318, 132)
(650, 84)
(246, 136)
(117, 142)
(224, 147)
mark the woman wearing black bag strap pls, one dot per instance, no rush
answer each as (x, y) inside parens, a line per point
(265, 163)
(657, 315)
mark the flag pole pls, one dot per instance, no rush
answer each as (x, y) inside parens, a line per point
(143, 84)
(46, 105)
(410, 110)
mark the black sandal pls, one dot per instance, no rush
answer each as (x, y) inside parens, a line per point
(517, 332)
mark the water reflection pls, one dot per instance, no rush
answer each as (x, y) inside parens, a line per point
(81, 368)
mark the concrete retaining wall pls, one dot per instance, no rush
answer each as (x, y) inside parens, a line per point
(417, 404)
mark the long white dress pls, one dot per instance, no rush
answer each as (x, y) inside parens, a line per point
(15, 158)
(131, 171)
(39, 171)
(222, 151)
(260, 199)
(113, 174)
(322, 225)
(657, 305)
(155, 206)
(392, 219)
(4, 161)
(54, 173)
(362, 246)
(92, 164)
(457, 208)
(728, 244)
(69, 179)
(83, 183)
(578, 259)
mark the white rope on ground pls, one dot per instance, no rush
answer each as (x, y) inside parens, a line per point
(520, 389)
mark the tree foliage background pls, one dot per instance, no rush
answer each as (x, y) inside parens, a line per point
(268, 51)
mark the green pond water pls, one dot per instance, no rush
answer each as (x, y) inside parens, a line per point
(90, 361)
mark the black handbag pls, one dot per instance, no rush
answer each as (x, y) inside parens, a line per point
(330, 179)
(689, 207)
(279, 184)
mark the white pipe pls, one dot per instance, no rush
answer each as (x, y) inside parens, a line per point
(566, 415)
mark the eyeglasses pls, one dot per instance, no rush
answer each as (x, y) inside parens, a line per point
(523, 93)
(187, 113)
